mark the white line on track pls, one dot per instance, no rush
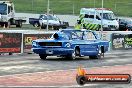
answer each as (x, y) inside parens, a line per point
(66, 70)
(86, 85)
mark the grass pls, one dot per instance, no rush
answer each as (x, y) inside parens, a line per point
(120, 7)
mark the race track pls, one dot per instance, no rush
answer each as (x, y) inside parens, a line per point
(31, 63)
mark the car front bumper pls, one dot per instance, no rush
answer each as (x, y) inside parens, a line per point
(53, 51)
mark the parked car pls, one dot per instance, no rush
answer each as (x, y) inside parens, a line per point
(71, 43)
(129, 25)
(125, 24)
(53, 20)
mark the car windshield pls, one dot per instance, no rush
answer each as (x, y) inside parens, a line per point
(3, 9)
(56, 18)
(44, 17)
(108, 16)
(130, 22)
(50, 17)
(122, 21)
(74, 34)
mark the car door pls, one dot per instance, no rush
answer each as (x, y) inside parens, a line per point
(90, 44)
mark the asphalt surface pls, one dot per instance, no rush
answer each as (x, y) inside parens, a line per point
(30, 63)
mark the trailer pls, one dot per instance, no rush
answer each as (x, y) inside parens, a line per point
(54, 22)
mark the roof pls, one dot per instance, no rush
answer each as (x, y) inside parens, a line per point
(70, 29)
(87, 10)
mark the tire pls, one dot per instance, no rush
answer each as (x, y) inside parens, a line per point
(7, 24)
(19, 24)
(81, 80)
(75, 53)
(36, 25)
(43, 27)
(73, 56)
(56, 28)
(42, 56)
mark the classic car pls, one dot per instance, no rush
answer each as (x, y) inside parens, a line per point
(71, 43)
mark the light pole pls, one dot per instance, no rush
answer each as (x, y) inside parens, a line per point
(102, 18)
(47, 16)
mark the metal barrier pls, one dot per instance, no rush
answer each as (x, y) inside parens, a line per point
(22, 42)
(10, 42)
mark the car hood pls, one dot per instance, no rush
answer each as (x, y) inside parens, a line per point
(80, 42)
(50, 40)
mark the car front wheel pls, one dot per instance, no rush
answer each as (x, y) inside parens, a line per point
(95, 57)
(42, 56)
(71, 56)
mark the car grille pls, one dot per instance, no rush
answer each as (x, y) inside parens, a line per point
(111, 26)
(50, 43)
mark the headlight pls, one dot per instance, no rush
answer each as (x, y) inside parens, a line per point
(34, 44)
(68, 45)
(4, 19)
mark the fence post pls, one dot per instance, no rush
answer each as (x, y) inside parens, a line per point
(22, 46)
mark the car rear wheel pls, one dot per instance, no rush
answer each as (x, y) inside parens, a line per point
(43, 26)
(75, 53)
(71, 56)
(36, 25)
(42, 56)
(19, 24)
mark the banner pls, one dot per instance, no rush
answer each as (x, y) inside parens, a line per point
(28, 38)
(10, 42)
(128, 41)
(117, 41)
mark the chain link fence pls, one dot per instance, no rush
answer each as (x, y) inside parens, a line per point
(123, 9)
(120, 7)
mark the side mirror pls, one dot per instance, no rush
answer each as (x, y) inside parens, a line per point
(79, 21)
(116, 18)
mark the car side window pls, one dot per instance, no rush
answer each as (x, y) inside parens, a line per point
(77, 35)
(43, 17)
(90, 36)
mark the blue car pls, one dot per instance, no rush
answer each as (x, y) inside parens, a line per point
(71, 43)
